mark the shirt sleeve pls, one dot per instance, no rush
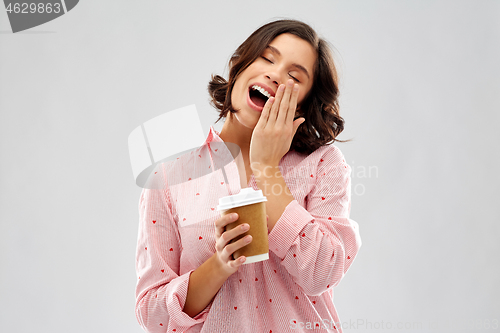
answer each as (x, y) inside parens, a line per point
(317, 245)
(161, 292)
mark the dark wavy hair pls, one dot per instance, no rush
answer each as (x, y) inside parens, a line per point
(320, 107)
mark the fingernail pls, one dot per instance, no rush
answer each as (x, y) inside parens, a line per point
(290, 83)
(282, 87)
(296, 87)
(248, 239)
(234, 216)
(245, 227)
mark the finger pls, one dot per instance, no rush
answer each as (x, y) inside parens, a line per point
(221, 223)
(235, 235)
(232, 234)
(296, 125)
(232, 247)
(225, 220)
(264, 117)
(293, 105)
(276, 105)
(238, 262)
(229, 235)
(285, 102)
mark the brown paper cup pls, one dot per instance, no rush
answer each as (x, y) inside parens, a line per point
(255, 216)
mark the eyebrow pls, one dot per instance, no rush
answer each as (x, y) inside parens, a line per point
(299, 67)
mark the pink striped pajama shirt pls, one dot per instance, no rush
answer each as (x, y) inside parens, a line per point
(311, 246)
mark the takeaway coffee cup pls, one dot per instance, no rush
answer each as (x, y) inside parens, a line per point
(250, 206)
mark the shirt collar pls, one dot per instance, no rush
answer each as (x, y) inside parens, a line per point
(213, 136)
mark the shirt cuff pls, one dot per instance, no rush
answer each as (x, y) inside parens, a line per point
(288, 227)
(176, 301)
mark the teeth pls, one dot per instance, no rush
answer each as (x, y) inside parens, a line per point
(261, 90)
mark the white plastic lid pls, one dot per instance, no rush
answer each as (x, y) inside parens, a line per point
(247, 196)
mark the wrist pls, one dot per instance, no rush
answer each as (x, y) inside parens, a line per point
(261, 170)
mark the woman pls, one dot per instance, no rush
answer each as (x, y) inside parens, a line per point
(281, 108)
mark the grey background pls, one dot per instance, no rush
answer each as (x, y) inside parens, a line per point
(420, 86)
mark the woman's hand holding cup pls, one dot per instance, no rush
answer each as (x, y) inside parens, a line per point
(223, 246)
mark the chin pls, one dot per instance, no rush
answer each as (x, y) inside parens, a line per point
(247, 121)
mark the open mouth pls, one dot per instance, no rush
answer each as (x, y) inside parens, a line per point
(258, 95)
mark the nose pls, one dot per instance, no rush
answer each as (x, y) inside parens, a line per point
(273, 78)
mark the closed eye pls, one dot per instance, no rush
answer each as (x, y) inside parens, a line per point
(266, 59)
(294, 78)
